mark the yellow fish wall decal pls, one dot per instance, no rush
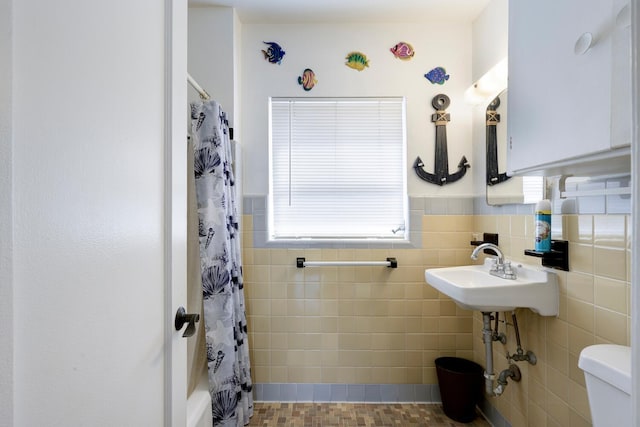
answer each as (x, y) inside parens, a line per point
(357, 61)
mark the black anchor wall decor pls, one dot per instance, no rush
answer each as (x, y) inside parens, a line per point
(441, 176)
(493, 118)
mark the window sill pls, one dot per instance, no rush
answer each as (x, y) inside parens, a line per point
(340, 243)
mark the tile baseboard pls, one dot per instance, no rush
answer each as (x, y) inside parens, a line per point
(363, 393)
(355, 393)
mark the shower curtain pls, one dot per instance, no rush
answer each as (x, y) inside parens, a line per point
(221, 267)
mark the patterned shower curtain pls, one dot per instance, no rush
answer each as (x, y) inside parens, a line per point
(221, 267)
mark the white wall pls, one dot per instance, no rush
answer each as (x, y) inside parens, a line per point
(323, 47)
(6, 218)
(211, 58)
(237, 86)
(490, 37)
(88, 203)
(490, 46)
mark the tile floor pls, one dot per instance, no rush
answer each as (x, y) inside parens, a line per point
(354, 414)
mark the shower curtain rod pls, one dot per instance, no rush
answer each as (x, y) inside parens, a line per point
(203, 93)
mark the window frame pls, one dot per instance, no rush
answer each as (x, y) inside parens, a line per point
(402, 234)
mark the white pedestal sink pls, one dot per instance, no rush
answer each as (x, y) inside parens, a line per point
(473, 288)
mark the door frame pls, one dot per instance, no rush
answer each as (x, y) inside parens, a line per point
(635, 211)
(175, 208)
(6, 213)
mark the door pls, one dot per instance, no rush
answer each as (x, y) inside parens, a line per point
(98, 212)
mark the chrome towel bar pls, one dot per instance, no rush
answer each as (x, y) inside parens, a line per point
(302, 262)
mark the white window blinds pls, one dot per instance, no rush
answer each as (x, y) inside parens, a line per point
(337, 168)
(533, 189)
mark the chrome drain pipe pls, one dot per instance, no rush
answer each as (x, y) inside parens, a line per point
(513, 372)
(487, 338)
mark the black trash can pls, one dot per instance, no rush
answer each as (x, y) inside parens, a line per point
(461, 385)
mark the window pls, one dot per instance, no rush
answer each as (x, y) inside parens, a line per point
(532, 188)
(337, 168)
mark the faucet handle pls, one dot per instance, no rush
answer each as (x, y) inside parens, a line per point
(507, 267)
(509, 272)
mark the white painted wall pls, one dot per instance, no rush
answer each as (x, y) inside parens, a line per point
(323, 47)
(244, 81)
(490, 46)
(88, 220)
(6, 217)
(211, 58)
(490, 37)
(237, 86)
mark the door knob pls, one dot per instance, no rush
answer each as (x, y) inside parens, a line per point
(190, 319)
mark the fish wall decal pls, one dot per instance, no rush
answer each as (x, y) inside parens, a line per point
(357, 60)
(403, 50)
(437, 76)
(308, 79)
(274, 53)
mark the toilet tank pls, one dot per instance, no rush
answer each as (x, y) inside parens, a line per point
(607, 371)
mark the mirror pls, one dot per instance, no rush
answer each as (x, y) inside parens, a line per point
(503, 189)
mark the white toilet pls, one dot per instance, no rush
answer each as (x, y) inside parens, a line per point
(607, 371)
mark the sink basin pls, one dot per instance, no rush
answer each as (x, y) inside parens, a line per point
(473, 288)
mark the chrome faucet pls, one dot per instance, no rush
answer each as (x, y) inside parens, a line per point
(494, 248)
(500, 267)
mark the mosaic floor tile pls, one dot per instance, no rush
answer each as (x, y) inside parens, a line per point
(349, 414)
